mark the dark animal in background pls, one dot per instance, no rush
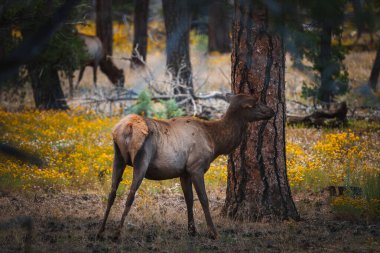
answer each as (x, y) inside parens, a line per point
(95, 52)
(181, 147)
(97, 58)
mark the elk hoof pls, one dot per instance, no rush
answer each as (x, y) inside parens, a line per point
(115, 237)
(213, 235)
(191, 230)
(100, 234)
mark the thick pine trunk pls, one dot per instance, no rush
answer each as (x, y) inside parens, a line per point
(326, 68)
(47, 91)
(219, 27)
(177, 24)
(140, 39)
(257, 184)
(104, 24)
(105, 34)
(374, 77)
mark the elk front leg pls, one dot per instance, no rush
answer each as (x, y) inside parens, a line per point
(199, 185)
(95, 70)
(187, 189)
(117, 173)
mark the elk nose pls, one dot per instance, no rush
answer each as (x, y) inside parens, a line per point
(269, 112)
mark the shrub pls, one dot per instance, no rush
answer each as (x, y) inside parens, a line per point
(161, 110)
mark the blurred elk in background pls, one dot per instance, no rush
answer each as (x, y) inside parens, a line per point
(95, 52)
(96, 55)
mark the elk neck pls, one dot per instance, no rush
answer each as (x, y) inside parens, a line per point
(227, 133)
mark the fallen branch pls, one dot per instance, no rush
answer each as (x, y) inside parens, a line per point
(320, 118)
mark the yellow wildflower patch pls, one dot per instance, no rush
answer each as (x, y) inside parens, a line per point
(77, 148)
(341, 158)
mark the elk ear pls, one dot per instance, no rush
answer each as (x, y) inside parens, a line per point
(229, 97)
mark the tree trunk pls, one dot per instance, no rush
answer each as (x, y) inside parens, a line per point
(140, 39)
(219, 27)
(325, 92)
(177, 23)
(257, 183)
(105, 34)
(47, 91)
(374, 77)
(104, 24)
(358, 17)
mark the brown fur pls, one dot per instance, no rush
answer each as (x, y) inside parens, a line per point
(181, 147)
(130, 134)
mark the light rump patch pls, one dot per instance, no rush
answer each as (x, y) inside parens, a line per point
(136, 121)
(131, 132)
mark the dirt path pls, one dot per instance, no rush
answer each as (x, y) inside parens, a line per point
(64, 222)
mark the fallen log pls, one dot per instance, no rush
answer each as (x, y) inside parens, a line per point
(322, 118)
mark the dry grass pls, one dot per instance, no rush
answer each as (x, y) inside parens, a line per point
(67, 222)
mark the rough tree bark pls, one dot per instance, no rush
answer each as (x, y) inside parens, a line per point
(105, 34)
(325, 91)
(219, 27)
(257, 184)
(104, 24)
(177, 24)
(140, 39)
(46, 86)
(374, 77)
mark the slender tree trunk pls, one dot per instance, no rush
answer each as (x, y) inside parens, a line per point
(374, 77)
(140, 39)
(177, 24)
(219, 27)
(325, 92)
(257, 184)
(47, 91)
(105, 34)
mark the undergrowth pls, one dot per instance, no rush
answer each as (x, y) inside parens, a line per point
(77, 149)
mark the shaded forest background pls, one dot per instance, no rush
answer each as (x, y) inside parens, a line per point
(164, 59)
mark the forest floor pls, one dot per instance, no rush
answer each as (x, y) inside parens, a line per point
(67, 197)
(68, 222)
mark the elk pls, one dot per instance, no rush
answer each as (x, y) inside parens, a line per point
(180, 147)
(94, 48)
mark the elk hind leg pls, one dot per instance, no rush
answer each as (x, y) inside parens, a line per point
(80, 77)
(117, 173)
(187, 189)
(140, 166)
(199, 185)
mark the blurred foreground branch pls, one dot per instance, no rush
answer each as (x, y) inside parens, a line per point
(19, 154)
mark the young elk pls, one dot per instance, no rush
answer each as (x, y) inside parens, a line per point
(181, 147)
(96, 54)
(94, 48)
